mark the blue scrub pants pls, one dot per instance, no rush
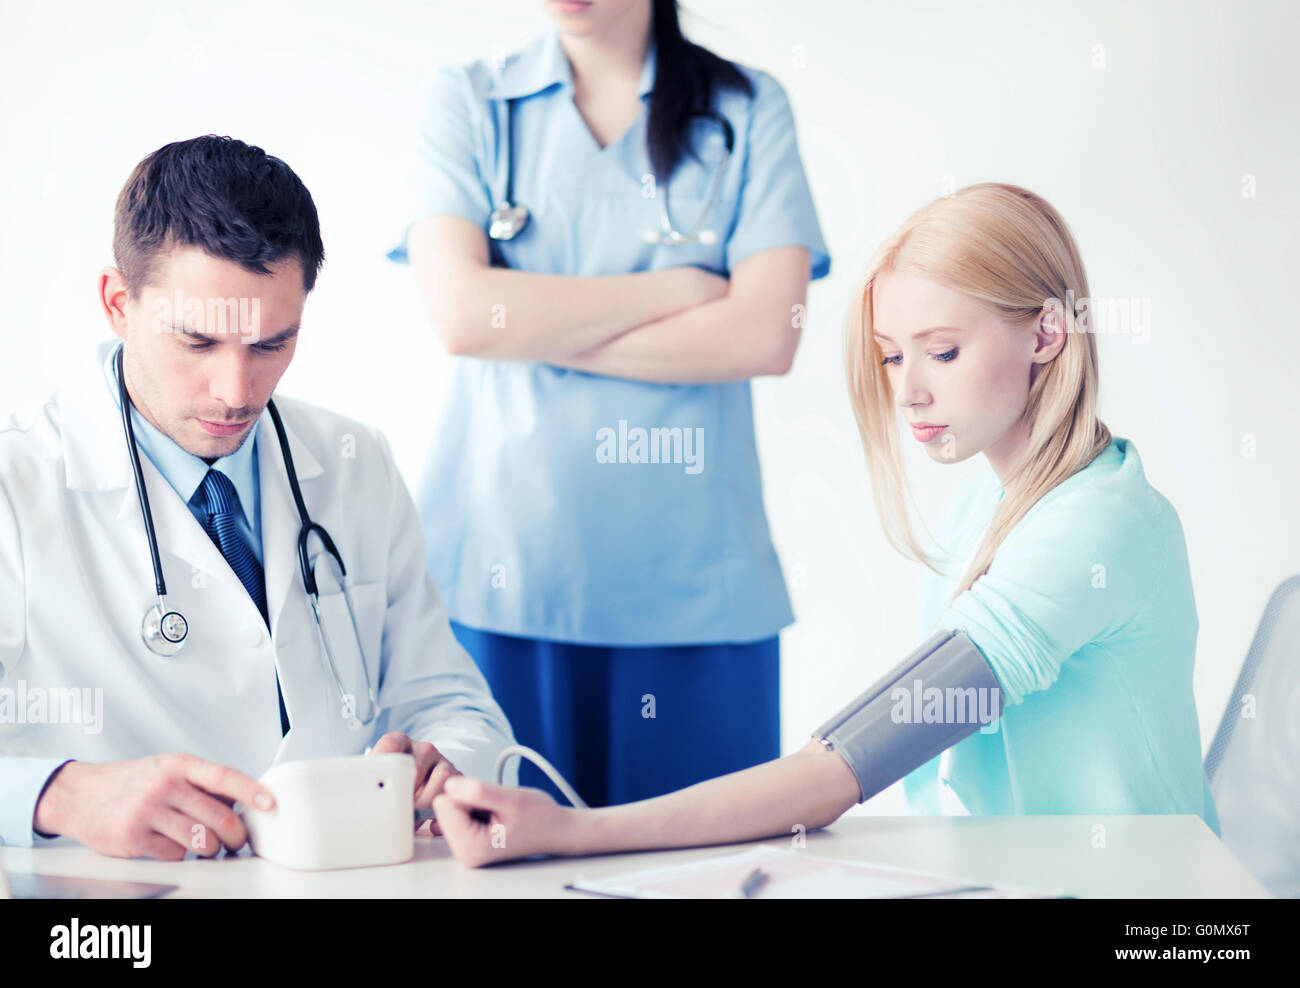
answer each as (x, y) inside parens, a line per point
(628, 723)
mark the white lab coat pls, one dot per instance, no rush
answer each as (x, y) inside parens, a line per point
(75, 581)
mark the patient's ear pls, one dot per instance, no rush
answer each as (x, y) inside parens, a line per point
(1049, 334)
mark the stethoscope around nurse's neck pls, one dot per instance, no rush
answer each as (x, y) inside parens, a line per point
(509, 218)
(165, 631)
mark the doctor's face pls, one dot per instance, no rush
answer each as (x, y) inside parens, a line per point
(959, 370)
(206, 343)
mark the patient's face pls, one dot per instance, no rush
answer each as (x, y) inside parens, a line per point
(954, 362)
(206, 344)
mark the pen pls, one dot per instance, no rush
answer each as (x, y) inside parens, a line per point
(952, 891)
(477, 815)
(756, 880)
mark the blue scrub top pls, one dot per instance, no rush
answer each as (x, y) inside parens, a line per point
(1088, 620)
(544, 518)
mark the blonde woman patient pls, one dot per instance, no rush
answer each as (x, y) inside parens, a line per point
(1075, 607)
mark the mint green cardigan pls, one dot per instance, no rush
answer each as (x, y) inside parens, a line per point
(1088, 621)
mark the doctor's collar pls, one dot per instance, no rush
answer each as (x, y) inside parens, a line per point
(543, 64)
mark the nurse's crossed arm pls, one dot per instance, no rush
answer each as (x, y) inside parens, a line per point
(678, 326)
(547, 317)
(750, 331)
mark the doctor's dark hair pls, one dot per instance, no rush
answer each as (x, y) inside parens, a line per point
(230, 199)
(686, 78)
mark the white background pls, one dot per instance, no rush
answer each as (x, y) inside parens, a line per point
(1139, 122)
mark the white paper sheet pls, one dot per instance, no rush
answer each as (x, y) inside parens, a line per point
(792, 874)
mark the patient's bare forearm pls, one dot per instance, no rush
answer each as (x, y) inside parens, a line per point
(810, 788)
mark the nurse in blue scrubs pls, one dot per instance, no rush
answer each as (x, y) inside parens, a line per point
(613, 233)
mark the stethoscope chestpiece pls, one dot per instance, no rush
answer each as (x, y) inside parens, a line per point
(507, 221)
(164, 632)
(674, 238)
(668, 235)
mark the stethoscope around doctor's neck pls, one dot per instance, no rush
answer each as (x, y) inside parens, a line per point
(509, 218)
(165, 631)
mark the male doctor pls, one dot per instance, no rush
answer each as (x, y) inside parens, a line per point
(135, 753)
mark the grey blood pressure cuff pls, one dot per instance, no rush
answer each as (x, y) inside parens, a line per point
(938, 695)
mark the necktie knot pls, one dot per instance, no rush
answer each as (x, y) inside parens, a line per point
(217, 495)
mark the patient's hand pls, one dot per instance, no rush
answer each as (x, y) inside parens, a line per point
(485, 824)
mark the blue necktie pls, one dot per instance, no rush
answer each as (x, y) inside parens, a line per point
(219, 500)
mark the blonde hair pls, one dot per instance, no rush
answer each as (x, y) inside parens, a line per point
(1008, 248)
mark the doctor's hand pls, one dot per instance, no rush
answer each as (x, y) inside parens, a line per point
(158, 807)
(485, 824)
(432, 769)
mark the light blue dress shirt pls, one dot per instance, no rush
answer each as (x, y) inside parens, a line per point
(185, 472)
(542, 520)
(1087, 619)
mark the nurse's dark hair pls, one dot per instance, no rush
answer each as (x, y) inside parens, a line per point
(687, 77)
(227, 198)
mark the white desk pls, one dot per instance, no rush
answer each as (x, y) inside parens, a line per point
(1143, 857)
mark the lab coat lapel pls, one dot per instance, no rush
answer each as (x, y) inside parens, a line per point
(280, 521)
(178, 532)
